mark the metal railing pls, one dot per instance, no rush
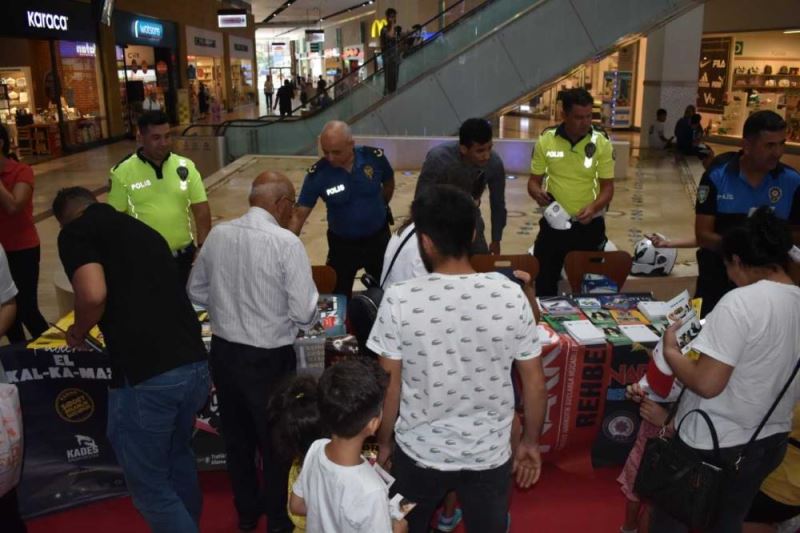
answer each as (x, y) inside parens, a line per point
(346, 81)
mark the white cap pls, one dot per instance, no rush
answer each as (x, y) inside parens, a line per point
(557, 217)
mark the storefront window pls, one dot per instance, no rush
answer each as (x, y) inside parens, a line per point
(761, 72)
(82, 100)
(242, 82)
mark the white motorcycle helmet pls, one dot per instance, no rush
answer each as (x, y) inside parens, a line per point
(651, 261)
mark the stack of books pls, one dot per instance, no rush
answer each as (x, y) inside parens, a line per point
(556, 311)
(584, 332)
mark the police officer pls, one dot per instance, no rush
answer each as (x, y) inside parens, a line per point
(578, 161)
(159, 188)
(356, 183)
(735, 184)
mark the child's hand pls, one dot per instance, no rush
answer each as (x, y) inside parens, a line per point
(634, 392)
(399, 526)
(653, 412)
(670, 337)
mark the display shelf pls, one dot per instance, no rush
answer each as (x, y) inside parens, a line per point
(766, 88)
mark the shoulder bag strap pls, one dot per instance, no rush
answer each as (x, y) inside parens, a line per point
(397, 254)
(711, 429)
(769, 413)
(672, 412)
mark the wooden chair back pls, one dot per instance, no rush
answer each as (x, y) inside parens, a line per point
(614, 265)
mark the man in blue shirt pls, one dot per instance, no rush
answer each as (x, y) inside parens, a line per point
(356, 183)
(735, 184)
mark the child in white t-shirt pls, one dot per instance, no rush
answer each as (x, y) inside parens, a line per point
(338, 490)
(656, 133)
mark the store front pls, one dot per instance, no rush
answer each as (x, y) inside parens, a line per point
(741, 73)
(205, 64)
(612, 82)
(243, 91)
(146, 64)
(51, 89)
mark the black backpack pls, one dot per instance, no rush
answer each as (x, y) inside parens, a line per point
(363, 307)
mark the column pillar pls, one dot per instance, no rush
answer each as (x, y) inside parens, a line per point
(671, 68)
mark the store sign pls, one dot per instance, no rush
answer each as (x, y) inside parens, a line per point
(352, 52)
(232, 21)
(41, 20)
(240, 48)
(713, 75)
(205, 42)
(315, 36)
(148, 30)
(76, 49)
(377, 27)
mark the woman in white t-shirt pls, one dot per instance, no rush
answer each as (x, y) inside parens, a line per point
(749, 348)
(409, 263)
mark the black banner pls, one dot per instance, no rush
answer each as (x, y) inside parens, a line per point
(68, 458)
(713, 77)
(621, 416)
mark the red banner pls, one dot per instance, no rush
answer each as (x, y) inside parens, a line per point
(577, 378)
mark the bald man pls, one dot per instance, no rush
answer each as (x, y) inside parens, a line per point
(254, 277)
(356, 183)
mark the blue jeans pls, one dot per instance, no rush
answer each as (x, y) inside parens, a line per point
(150, 428)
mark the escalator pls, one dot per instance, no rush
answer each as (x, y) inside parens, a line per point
(486, 60)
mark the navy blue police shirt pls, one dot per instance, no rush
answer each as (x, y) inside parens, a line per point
(356, 208)
(725, 193)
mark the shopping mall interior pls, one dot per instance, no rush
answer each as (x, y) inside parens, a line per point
(248, 86)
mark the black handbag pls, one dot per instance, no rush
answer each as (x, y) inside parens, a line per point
(677, 479)
(363, 307)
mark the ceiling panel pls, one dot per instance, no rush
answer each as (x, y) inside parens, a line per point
(301, 10)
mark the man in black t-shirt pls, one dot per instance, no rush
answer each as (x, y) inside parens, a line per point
(126, 281)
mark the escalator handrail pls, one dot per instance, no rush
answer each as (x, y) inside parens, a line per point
(266, 120)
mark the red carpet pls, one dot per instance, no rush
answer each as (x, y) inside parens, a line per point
(560, 502)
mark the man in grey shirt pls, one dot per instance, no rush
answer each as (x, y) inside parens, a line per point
(471, 165)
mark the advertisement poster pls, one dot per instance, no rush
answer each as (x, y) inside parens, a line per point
(713, 76)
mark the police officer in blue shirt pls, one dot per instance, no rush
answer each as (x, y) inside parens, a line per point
(735, 184)
(356, 183)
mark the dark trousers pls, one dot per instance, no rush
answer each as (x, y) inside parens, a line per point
(184, 259)
(552, 246)
(9, 513)
(268, 98)
(483, 494)
(391, 73)
(245, 378)
(346, 256)
(24, 267)
(712, 279)
(763, 457)
(479, 245)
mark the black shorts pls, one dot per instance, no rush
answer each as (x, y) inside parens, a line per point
(765, 510)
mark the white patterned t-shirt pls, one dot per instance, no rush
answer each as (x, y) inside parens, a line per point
(457, 337)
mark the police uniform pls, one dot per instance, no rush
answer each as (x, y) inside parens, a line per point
(725, 194)
(572, 171)
(160, 196)
(358, 229)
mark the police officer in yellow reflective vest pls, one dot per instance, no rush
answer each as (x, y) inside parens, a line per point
(159, 188)
(573, 164)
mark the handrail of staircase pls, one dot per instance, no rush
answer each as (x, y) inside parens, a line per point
(271, 119)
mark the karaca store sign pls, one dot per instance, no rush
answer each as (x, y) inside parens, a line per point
(41, 20)
(377, 26)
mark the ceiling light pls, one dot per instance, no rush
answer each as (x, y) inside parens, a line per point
(791, 31)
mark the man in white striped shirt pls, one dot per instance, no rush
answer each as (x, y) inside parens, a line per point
(254, 277)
